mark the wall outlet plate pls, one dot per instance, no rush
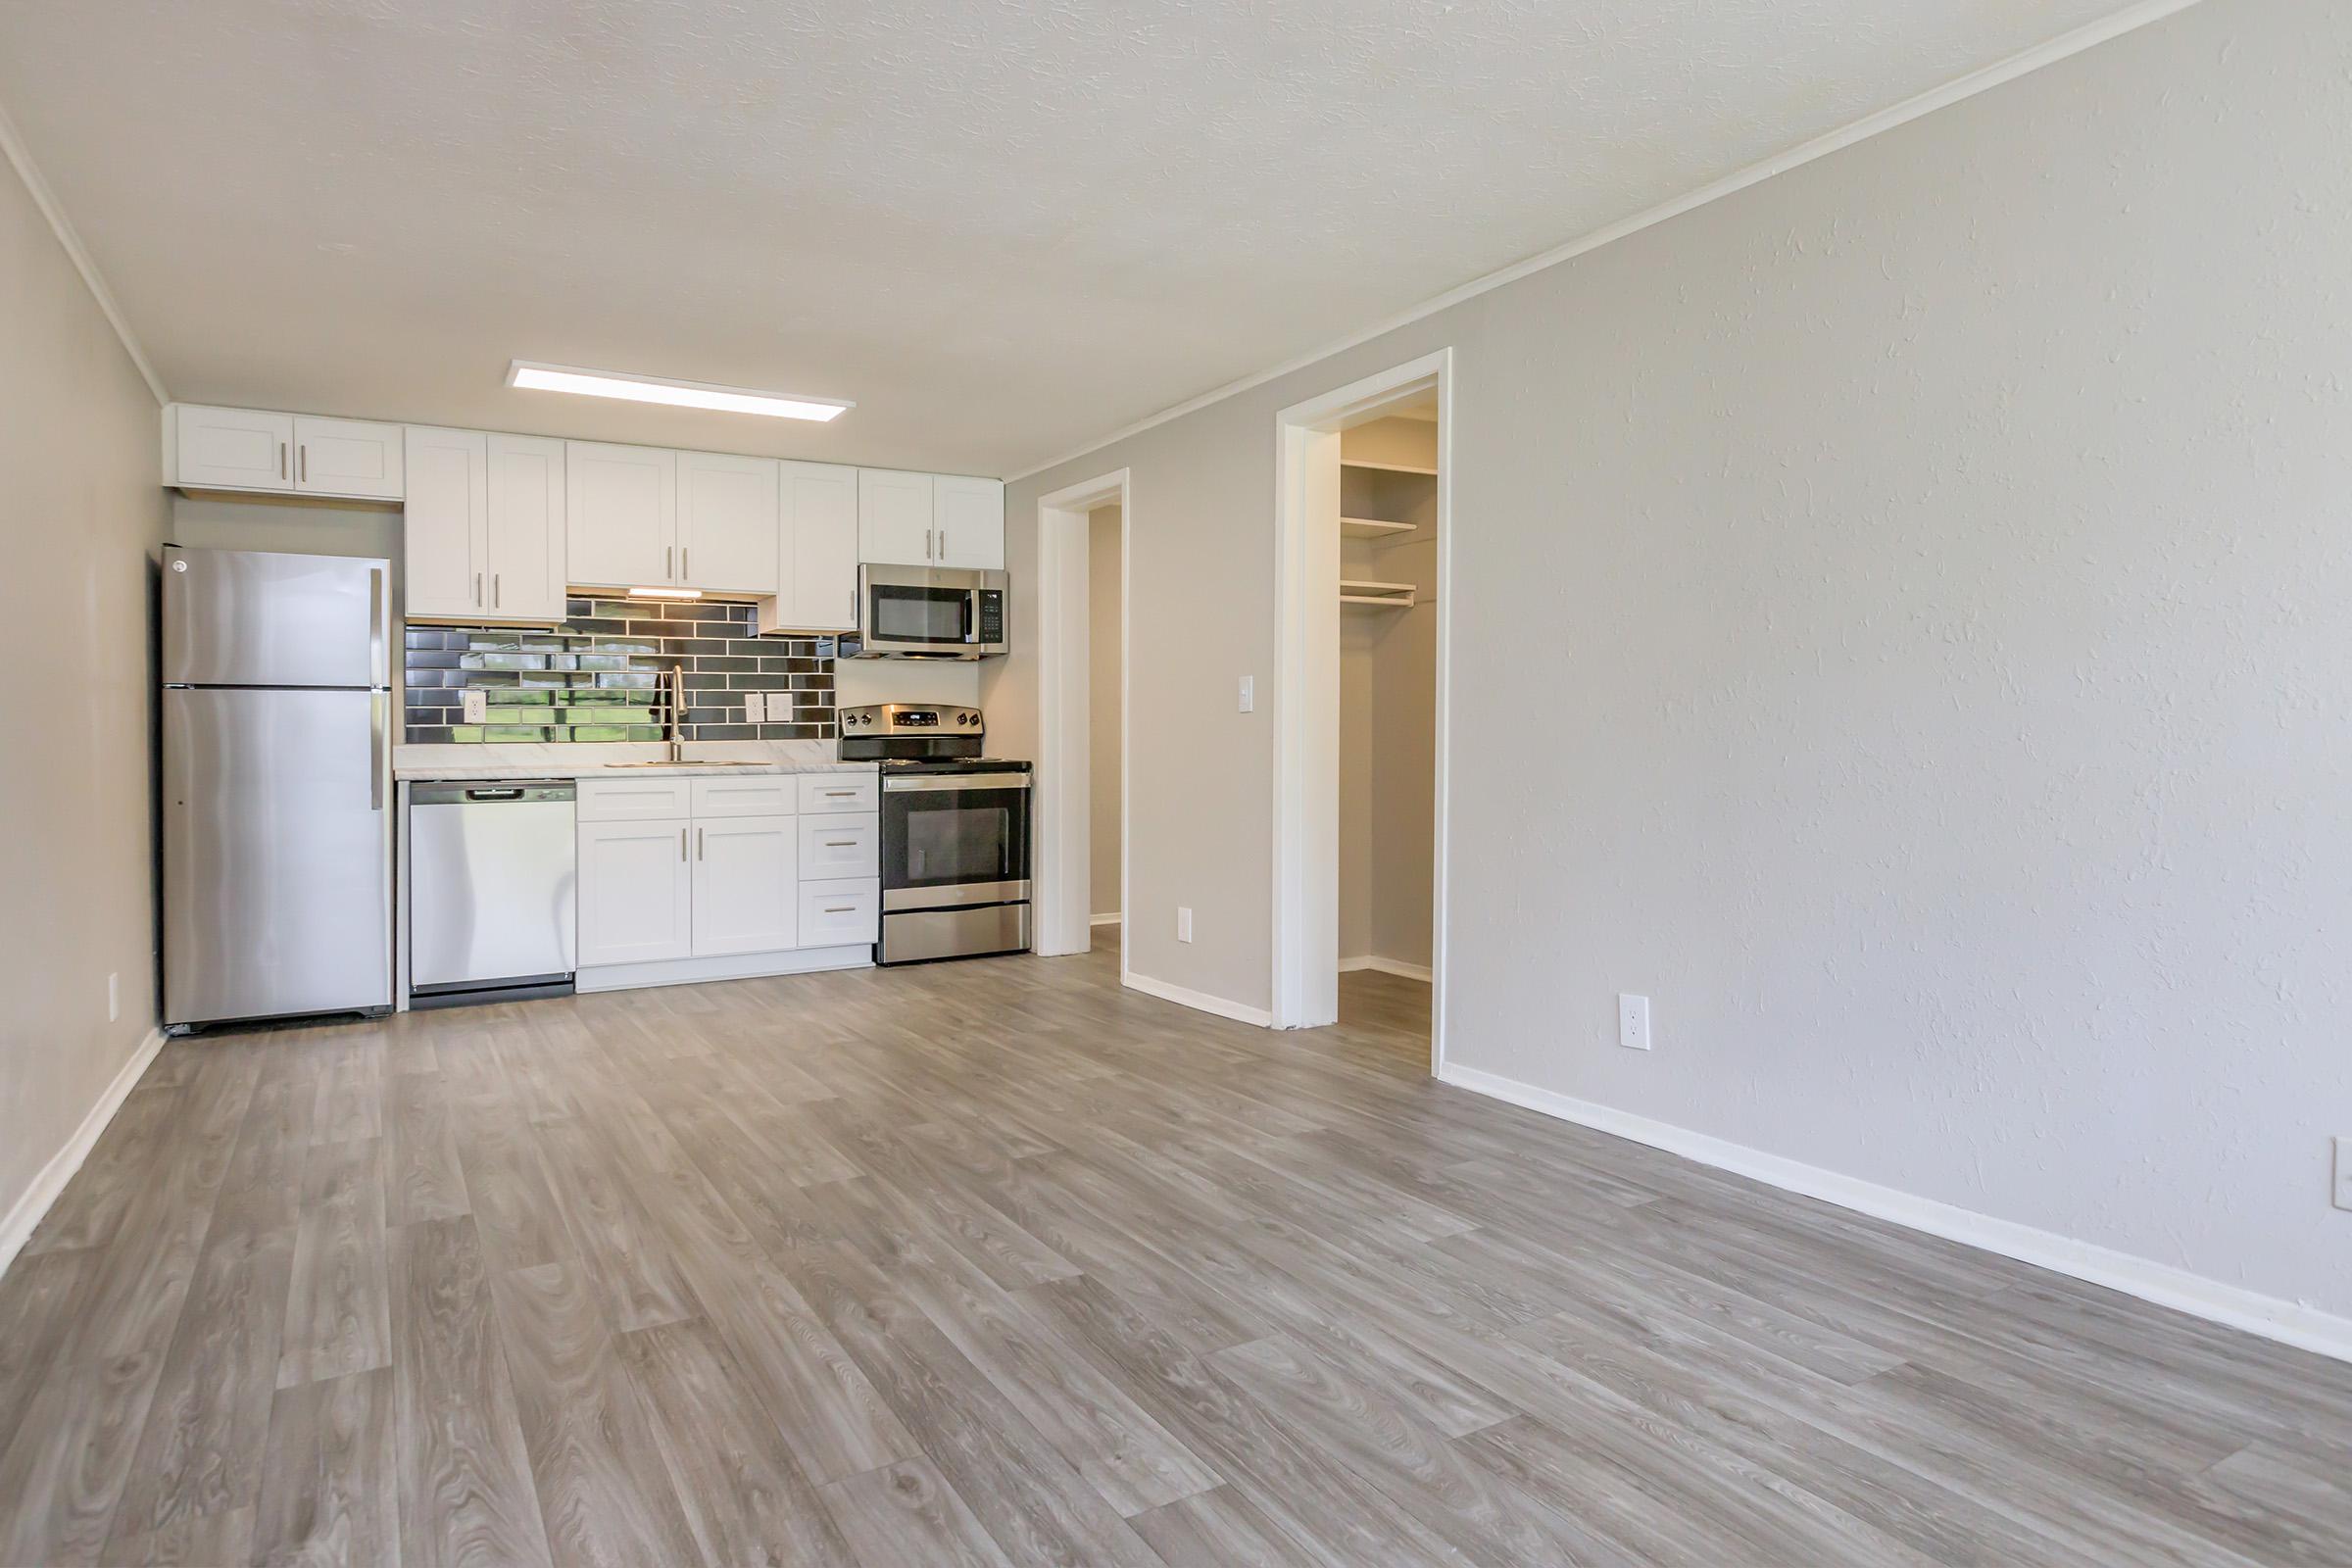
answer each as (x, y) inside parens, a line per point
(1632, 1021)
(756, 709)
(476, 706)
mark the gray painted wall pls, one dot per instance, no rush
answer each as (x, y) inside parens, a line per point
(82, 515)
(1932, 561)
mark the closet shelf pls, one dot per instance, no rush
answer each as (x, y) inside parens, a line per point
(1388, 467)
(1394, 594)
(1375, 528)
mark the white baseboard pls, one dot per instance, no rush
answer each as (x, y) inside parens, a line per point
(2288, 1322)
(736, 967)
(1198, 1000)
(1394, 966)
(1111, 918)
(34, 1202)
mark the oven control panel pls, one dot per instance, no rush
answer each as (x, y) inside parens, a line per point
(910, 718)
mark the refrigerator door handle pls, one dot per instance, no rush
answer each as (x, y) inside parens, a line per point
(375, 750)
(379, 674)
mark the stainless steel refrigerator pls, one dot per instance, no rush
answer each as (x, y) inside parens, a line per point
(277, 789)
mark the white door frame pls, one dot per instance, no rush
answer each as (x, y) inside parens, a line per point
(1306, 690)
(1062, 896)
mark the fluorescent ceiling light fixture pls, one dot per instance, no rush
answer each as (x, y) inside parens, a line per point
(665, 593)
(681, 394)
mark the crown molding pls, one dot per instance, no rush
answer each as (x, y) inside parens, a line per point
(1983, 79)
(19, 156)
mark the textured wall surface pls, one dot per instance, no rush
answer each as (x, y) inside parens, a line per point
(1937, 558)
(82, 515)
(1001, 226)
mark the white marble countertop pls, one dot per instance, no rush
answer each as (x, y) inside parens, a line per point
(703, 759)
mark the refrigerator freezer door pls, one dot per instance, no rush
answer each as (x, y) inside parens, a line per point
(277, 883)
(247, 618)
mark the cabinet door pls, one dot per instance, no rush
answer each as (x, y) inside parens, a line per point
(636, 898)
(819, 592)
(620, 515)
(726, 522)
(895, 526)
(747, 886)
(442, 521)
(347, 458)
(235, 449)
(968, 516)
(525, 531)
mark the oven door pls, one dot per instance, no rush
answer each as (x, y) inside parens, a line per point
(955, 839)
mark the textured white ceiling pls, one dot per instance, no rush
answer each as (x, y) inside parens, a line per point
(1002, 228)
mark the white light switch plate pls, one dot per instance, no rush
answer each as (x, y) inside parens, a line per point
(1183, 924)
(2343, 1173)
(476, 705)
(1248, 693)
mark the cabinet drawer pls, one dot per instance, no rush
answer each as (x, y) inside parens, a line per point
(745, 795)
(634, 800)
(839, 914)
(844, 846)
(838, 792)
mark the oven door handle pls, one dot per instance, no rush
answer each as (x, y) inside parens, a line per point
(955, 781)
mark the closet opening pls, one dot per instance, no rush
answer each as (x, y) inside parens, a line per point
(1363, 501)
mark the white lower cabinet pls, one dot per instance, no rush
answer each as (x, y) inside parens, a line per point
(745, 885)
(717, 877)
(844, 846)
(836, 913)
(636, 893)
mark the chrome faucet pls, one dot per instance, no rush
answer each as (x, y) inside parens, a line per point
(673, 682)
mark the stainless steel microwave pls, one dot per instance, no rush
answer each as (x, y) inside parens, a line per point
(923, 612)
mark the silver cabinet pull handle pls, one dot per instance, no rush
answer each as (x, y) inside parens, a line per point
(668, 559)
(837, 794)
(698, 843)
(841, 909)
(927, 552)
(841, 843)
(477, 587)
(304, 468)
(682, 846)
(685, 561)
(281, 460)
(495, 595)
(943, 544)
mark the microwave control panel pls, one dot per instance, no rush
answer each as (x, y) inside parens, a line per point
(992, 615)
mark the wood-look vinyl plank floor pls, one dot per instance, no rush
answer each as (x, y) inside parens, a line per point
(999, 1263)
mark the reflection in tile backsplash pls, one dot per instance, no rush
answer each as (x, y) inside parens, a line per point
(600, 678)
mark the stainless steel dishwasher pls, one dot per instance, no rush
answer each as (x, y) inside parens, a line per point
(492, 891)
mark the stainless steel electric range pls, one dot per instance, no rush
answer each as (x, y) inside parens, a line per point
(954, 832)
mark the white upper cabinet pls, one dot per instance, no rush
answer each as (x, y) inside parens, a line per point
(820, 546)
(969, 522)
(895, 526)
(444, 522)
(526, 535)
(621, 515)
(229, 449)
(482, 526)
(728, 538)
(347, 458)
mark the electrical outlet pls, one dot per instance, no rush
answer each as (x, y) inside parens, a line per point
(1248, 693)
(759, 708)
(113, 998)
(476, 706)
(2343, 1173)
(1632, 1021)
(1183, 924)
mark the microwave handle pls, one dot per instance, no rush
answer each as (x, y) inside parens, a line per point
(971, 615)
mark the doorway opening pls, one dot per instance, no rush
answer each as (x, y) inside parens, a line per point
(1106, 681)
(1363, 539)
(1083, 662)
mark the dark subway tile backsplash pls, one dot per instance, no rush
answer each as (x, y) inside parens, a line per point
(601, 682)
